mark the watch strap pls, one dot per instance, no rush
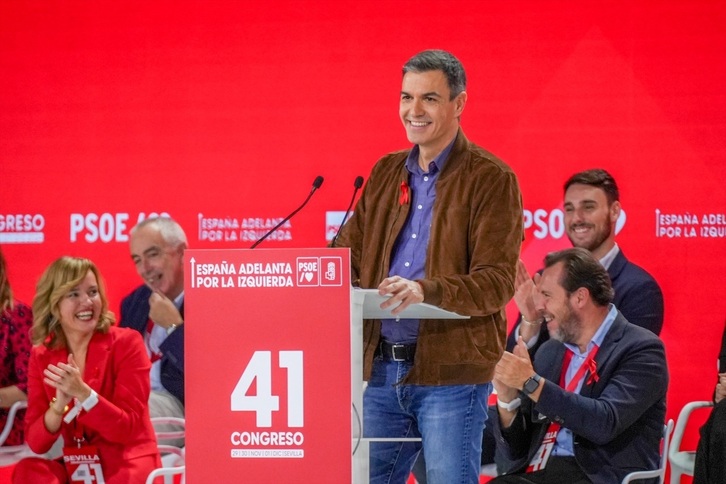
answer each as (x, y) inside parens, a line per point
(509, 406)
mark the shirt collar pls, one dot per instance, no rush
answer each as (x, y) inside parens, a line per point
(599, 335)
(412, 161)
(608, 258)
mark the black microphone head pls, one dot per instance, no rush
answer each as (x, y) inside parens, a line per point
(358, 182)
(318, 181)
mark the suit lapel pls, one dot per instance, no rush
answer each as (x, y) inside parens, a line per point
(548, 364)
(99, 352)
(606, 351)
(617, 266)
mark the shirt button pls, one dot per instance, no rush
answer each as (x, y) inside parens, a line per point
(413, 236)
(406, 264)
(426, 178)
(420, 207)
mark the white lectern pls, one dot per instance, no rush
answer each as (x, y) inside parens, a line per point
(365, 304)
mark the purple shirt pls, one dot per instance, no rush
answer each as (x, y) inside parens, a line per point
(408, 258)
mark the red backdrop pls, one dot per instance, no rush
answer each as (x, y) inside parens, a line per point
(224, 112)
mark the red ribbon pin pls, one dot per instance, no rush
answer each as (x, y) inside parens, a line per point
(403, 199)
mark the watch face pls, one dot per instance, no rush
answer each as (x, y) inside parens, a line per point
(530, 385)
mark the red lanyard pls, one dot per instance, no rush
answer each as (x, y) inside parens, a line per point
(77, 427)
(154, 356)
(540, 458)
(589, 364)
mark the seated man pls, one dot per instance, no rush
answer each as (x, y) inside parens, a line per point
(156, 310)
(592, 406)
(592, 208)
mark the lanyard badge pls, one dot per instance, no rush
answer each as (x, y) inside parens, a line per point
(540, 458)
(83, 464)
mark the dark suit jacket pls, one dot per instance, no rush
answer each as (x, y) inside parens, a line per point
(617, 422)
(117, 368)
(135, 315)
(637, 296)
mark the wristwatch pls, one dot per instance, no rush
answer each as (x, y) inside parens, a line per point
(531, 384)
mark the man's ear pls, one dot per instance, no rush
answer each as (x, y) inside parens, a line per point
(614, 211)
(460, 103)
(582, 294)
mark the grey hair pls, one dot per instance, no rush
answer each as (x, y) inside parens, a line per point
(171, 232)
(439, 60)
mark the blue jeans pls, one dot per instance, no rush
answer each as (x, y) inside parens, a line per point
(449, 419)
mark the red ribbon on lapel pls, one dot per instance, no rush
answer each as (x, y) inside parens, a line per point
(592, 366)
(403, 199)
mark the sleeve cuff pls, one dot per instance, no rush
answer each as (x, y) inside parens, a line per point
(90, 402)
(531, 342)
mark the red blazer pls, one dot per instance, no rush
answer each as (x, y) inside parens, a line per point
(117, 368)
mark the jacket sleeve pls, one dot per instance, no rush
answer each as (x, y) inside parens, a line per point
(39, 439)
(494, 235)
(640, 376)
(173, 347)
(542, 337)
(513, 442)
(172, 367)
(117, 417)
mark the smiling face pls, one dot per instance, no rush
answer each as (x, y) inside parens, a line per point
(554, 304)
(80, 308)
(589, 219)
(427, 112)
(159, 264)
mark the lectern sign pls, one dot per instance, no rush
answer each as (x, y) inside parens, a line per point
(267, 365)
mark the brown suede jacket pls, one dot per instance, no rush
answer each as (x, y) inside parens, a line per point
(476, 234)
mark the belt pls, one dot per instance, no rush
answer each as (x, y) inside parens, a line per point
(397, 351)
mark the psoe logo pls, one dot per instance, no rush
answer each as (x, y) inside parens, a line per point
(319, 271)
(308, 271)
(106, 227)
(552, 223)
(22, 228)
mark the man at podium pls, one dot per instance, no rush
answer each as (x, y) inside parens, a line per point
(439, 223)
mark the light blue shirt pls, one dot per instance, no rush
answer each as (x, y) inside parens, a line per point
(155, 339)
(408, 259)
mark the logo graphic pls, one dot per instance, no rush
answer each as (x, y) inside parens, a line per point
(332, 269)
(22, 228)
(308, 271)
(105, 227)
(319, 271)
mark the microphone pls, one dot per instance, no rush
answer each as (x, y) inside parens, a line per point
(316, 184)
(357, 184)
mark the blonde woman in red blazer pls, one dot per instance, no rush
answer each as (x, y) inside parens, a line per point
(88, 381)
